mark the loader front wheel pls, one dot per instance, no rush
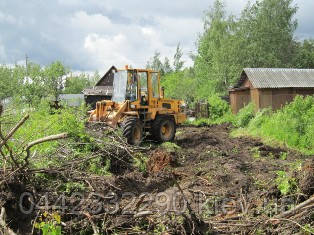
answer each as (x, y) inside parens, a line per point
(164, 128)
(132, 129)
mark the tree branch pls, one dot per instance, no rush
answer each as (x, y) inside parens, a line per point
(42, 140)
(296, 209)
(13, 130)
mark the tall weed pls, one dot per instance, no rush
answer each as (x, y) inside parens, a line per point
(292, 125)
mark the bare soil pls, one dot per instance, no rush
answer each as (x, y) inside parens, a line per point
(210, 183)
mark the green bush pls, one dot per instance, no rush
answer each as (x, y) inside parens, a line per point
(245, 115)
(292, 125)
(217, 107)
(219, 113)
(284, 183)
(43, 122)
(140, 162)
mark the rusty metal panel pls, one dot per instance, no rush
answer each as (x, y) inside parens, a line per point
(278, 78)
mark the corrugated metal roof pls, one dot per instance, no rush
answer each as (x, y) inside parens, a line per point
(99, 90)
(279, 78)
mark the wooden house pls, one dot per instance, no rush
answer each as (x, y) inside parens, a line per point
(270, 87)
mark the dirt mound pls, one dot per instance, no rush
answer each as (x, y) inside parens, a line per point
(158, 160)
(307, 179)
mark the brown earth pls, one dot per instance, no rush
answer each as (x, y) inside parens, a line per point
(208, 181)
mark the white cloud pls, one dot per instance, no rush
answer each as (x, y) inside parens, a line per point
(7, 18)
(93, 34)
(91, 23)
(107, 51)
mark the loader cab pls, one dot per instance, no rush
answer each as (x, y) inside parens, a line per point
(138, 86)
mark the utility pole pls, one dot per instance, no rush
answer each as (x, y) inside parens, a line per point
(26, 64)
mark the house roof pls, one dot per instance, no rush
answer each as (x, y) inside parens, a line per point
(278, 78)
(103, 77)
(98, 89)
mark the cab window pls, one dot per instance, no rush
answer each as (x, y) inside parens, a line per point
(142, 77)
(131, 89)
(155, 86)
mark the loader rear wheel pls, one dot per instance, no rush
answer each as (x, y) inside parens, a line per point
(164, 128)
(132, 129)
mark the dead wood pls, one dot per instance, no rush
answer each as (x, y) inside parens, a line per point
(42, 140)
(13, 130)
(296, 209)
(201, 225)
(3, 225)
(94, 226)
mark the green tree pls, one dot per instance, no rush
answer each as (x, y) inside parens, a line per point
(304, 57)
(33, 87)
(265, 34)
(155, 63)
(54, 78)
(8, 83)
(166, 66)
(76, 84)
(261, 37)
(177, 59)
(95, 78)
(180, 85)
(215, 67)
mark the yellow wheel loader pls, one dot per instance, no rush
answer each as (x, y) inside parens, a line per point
(138, 106)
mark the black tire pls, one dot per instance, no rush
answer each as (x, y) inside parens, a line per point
(132, 129)
(158, 126)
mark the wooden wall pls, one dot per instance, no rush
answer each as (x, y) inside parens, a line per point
(281, 97)
(107, 80)
(238, 99)
(275, 98)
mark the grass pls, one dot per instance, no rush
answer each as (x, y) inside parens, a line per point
(255, 152)
(285, 183)
(43, 122)
(292, 126)
(140, 162)
(170, 147)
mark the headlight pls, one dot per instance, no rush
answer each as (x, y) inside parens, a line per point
(132, 106)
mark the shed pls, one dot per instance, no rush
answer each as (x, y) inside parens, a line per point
(270, 87)
(74, 100)
(102, 89)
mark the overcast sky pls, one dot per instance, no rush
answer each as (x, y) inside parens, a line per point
(90, 35)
